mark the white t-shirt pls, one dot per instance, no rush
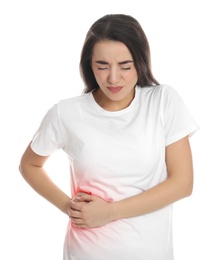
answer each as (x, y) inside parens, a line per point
(116, 155)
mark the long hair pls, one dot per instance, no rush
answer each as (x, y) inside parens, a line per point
(125, 29)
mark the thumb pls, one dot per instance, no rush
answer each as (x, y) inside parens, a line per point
(83, 197)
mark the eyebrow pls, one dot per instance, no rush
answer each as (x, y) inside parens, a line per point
(120, 63)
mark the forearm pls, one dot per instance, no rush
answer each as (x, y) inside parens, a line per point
(94, 211)
(42, 184)
(178, 185)
(89, 211)
(151, 200)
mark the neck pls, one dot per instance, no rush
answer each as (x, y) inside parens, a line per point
(112, 105)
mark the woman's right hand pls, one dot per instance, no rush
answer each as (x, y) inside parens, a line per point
(89, 211)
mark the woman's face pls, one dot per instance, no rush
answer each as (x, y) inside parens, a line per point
(115, 73)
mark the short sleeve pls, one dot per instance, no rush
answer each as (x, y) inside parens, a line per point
(178, 121)
(48, 137)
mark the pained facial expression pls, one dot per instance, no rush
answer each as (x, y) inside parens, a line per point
(115, 73)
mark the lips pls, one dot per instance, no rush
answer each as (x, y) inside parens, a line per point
(115, 89)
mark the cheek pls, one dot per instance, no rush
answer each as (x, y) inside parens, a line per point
(132, 77)
(96, 73)
(99, 76)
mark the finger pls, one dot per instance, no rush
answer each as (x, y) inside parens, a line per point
(78, 224)
(77, 221)
(76, 205)
(82, 226)
(78, 195)
(74, 212)
(84, 197)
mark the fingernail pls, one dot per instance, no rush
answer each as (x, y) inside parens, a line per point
(78, 197)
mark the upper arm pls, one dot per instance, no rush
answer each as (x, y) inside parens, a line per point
(179, 163)
(30, 158)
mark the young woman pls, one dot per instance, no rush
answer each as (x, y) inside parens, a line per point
(127, 140)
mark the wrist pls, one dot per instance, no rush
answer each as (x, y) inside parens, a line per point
(114, 211)
(65, 205)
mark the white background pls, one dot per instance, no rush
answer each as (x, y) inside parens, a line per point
(40, 44)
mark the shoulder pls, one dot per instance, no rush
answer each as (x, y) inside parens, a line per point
(68, 108)
(156, 89)
(158, 92)
(73, 102)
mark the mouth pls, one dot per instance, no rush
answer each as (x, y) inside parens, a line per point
(115, 89)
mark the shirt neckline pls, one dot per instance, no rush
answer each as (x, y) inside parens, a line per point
(115, 113)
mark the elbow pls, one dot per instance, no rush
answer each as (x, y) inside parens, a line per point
(189, 192)
(21, 169)
(24, 169)
(187, 189)
(182, 188)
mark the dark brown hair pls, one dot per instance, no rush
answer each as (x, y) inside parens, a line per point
(125, 29)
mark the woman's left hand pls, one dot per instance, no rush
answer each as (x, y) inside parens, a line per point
(88, 211)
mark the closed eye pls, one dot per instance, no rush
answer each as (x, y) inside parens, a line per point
(100, 68)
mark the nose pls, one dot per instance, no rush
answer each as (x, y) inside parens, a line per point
(114, 76)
